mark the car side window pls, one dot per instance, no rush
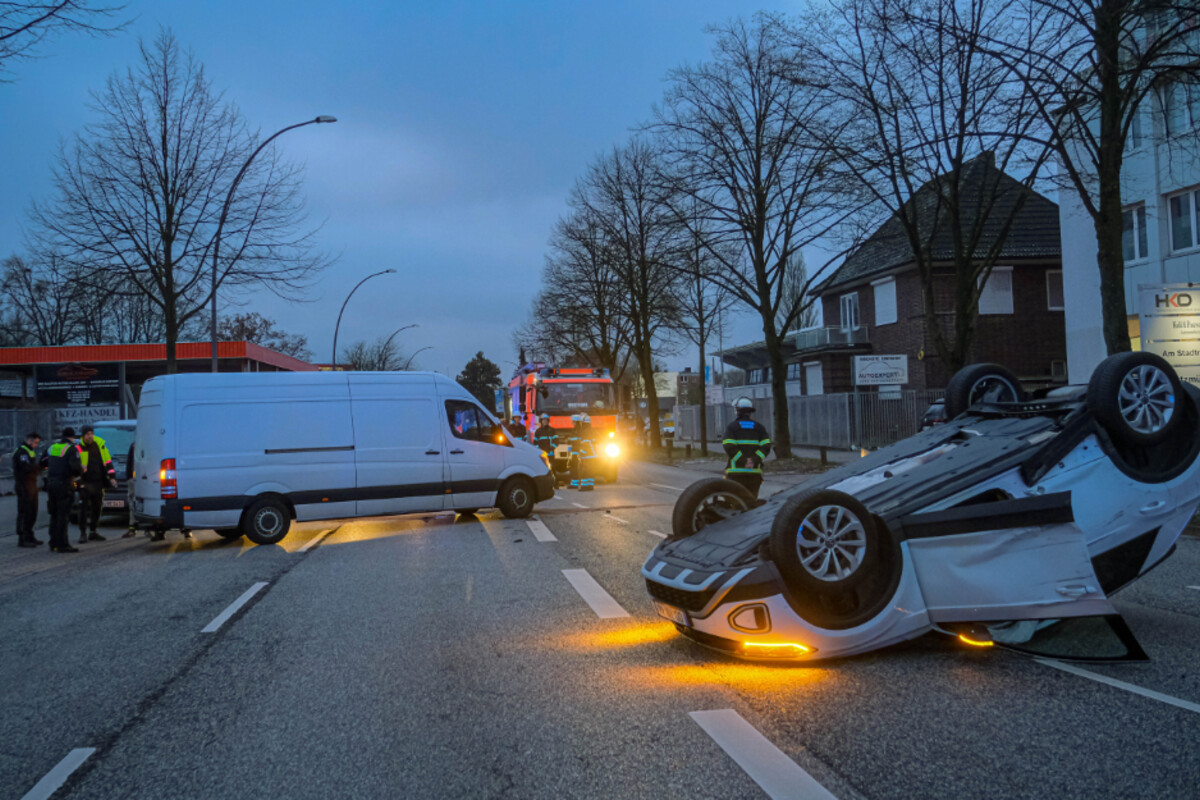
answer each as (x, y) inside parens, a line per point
(467, 421)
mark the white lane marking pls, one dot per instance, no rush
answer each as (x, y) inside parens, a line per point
(1129, 687)
(658, 534)
(313, 541)
(580, 505)
(769, 767)
(58, 776)
(540, 531)
(594, 595)
(1197, 588)
(664, 486)
(617, 519)
(233, 607)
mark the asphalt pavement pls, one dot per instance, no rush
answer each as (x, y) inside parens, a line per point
(435, 656)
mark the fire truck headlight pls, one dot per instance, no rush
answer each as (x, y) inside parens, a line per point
(612, 450)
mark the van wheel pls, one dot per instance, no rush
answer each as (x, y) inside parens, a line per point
(266, 521)
(516, 498)
(229, 533)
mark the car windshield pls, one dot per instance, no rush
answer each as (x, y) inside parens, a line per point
(571, 398)
(117, 440)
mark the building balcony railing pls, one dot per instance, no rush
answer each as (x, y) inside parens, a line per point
(821, 338)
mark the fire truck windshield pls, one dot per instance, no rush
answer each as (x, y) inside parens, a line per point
(575, 398)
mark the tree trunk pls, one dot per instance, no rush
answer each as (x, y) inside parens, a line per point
(782, 438)
(646, 362)
(171, 322)
(703, 404)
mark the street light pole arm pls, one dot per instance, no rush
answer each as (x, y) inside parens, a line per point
(333, 363)
(408, 363)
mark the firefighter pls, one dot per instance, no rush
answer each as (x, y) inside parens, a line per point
(25, 473)
(584, 455)
(517, 428)
(63, 466)
(97, 473)
(545, 437)
(747, 445)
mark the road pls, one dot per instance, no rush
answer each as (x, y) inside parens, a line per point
(490, 658)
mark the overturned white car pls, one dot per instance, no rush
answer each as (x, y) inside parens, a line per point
(1014, 514)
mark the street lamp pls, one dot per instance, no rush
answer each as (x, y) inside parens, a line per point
(408, 363)
(225, 212)
(333, 364)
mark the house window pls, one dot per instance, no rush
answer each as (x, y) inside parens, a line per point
(1184, 224)
(813, 381)
(759, 375)
(850, 311)
(1182, 107)
(1133, 233)
(1134, 140)
(793, 372)
(996, 297)
(885, 301)
(1054, 290)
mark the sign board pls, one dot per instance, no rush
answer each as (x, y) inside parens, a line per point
(880, 370)
(78, 384)
(84, 415)
(1169, 315)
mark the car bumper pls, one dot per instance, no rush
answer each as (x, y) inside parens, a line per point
(544, 484)
(170, 516)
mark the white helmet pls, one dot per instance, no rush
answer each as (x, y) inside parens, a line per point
(575, 418)
(743, 403)
(585, 419)
(544, 417)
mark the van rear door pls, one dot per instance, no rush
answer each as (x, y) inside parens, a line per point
(149, 442)
(399, 457)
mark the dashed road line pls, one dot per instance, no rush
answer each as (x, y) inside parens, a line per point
(233, 608)
(1129, 687)
(56, 777)
(664, 486)
(1197, 588)
(540, 531)
(594, 595)
(615, 518)
(580, 505)
(769, 767)
(313, 541)
(659, 534)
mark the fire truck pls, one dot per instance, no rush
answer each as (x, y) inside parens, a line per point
(565, 392)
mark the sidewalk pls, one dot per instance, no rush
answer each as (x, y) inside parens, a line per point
(834, 456)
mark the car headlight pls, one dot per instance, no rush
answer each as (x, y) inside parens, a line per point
(612, 450)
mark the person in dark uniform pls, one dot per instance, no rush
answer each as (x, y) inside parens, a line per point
(98, 473)
(747, 444)
(25, 474)
(130, 474)
(63, 466)
(516, 428)
(545, 437)
(583, 455)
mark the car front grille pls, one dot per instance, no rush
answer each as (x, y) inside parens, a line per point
(688, 601)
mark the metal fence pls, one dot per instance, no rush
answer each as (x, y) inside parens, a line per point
(841, 421)
(15, 424)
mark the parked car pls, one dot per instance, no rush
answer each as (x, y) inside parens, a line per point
(1012, 522)
(247, 453)
(934, 415)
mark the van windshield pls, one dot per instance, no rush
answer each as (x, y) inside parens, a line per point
(563, 397)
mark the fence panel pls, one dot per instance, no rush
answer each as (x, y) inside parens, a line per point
(15, 424)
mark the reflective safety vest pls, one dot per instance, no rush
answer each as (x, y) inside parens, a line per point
(747, 444)
(105, 458)
(60, 463)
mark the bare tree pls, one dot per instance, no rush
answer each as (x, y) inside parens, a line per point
(1090, 68)
(927, 128)
(140, 192)
(382, 355)
(735, 128)
(254, 327)
(25, 26)
(625, 195)
(42, 302)
(795, 291)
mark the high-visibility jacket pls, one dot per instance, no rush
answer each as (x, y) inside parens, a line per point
(546, 438)
(63, 461)
(105, 458)
(747, 444)
(584, 445)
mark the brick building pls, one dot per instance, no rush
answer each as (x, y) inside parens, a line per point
(873, 305)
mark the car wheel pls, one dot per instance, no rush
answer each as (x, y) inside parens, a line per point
(1136, 397)
(706, 502)
(980, 383)
(266, 521)
(516, 498)
(229, 533)
(824, 540)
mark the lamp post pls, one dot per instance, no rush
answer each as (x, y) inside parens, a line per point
(333, 363)
(388, 341)
(408, 363)
(225, 212)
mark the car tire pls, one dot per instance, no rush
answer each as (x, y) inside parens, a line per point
(825, 541)
(706, 502)
(981, 383)
(266, 521)
(1136, 397)
(229, 533)
(516, 498)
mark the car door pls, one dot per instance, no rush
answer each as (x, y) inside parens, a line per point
(477, 455)
(399, 458)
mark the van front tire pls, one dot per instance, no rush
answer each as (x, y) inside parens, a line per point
(266, 521)
(516, 498)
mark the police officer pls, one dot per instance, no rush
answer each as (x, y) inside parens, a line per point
(63, 466)
(25, 474)
(545, 437)
(747, 444)
(97, 473)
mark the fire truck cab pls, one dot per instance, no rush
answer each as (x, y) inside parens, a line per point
(565, 392)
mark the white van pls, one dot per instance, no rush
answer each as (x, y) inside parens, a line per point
(246, 453)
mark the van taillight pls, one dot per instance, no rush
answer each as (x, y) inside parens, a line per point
(166, 479)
